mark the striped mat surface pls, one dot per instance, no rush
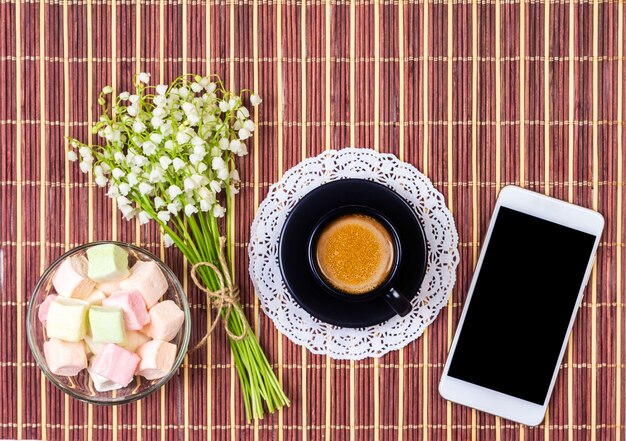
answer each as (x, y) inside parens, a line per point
(476, 94)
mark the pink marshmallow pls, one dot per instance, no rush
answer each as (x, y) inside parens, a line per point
(157, 359)
(42, 314)
(166, 319)
(135, 313)
(116, 364)
(148, 279)
(64, 357)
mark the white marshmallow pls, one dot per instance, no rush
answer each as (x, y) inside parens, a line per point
(148, 279)
(134, 339)
(157, 359)
(96, 297)
(93, 347)
(108, 287)
(102, 384)
(166, 319)
(70, 279)
(65, 358)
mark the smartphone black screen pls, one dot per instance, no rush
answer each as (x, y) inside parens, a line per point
(521, 306)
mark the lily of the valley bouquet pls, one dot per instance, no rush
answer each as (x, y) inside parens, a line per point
(169, 156)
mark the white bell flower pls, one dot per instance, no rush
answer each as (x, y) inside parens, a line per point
(149, 148)
(138, 126)
(255, 99)
(195, 159)
(113, 191)
(244, 134)
(182, 138)
(218, 163)
(101, 181)
(85, 152)
(117, 173)
(156, 138)
(164, 216)
(196, 87)
(165, 162)
(224, 143)
(158, 202)
(132, 179)
(145, 188)
(205, 206)
(127, 211)
(243, 113)
(190, 209)
(119, 157)
(167, 241)
(173, 191)
(143, 77)
(161, 89)
(224, 107)
(72, 156)
(157, 174)
(249, 125)
(178, 164)
(124, 96)
(174, 207)
(202, 167)
(132, 110)
(222, 174)
(141, 160)
(144, 217)
(215, 186)
(124, 188)
(159, 101)
(218, 211)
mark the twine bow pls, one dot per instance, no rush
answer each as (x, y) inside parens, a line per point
(225, 299)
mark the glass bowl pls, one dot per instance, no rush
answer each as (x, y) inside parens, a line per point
(80, 386)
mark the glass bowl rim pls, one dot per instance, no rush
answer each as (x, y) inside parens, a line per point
(110, 400)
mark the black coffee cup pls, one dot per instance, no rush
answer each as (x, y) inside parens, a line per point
(386, 290)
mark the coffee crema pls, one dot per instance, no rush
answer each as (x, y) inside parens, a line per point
(355, 253)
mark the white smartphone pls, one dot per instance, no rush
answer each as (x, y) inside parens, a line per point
(527, 287)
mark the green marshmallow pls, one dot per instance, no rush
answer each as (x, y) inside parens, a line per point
(107, 324)
(107, 263)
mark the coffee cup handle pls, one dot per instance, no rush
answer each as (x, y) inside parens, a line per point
(398, 302)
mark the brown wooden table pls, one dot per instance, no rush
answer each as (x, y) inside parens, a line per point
(476, 94)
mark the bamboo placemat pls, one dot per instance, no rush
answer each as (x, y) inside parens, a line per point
(476, 94)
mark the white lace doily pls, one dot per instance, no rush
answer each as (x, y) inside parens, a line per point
(347, 343)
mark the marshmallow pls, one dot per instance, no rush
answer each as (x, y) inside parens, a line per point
(70, 279)
(65, 358)
(107, 263)
(96, 297)
(107, 324)
(135, 313)
(67, 319)
(166, 318)
(108, 287)
(157, 359)
(93, 347)
(100, 383)
(42, 314)
(133, 340)
(115, 364)
(147, 278)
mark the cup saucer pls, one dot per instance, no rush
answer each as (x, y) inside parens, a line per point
(293, 251)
